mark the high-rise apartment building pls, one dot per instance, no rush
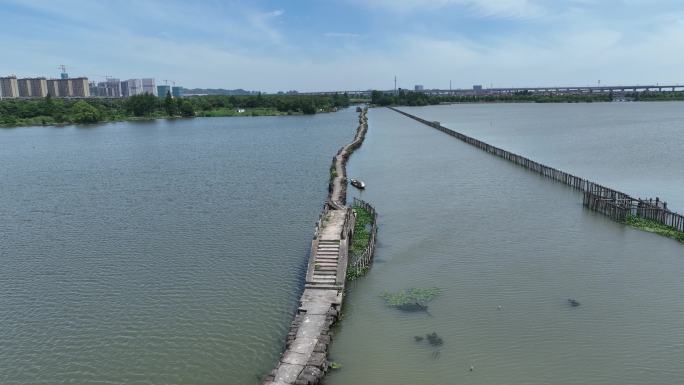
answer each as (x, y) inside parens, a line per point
(109, 89)
(53, 87)
(24, 86)
(64, 88)
(131, 87)
(9, 87)
(79, 88)
(93, 89)
(32, 87)
(177, 92)
(148, 86)
(38, 87)
(162, 91)
(125, 89)
(69, 88)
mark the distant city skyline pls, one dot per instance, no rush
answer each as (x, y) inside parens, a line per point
(349, 44)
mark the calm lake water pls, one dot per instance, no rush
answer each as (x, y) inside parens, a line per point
(491, 234)
(173, 252)
(637, 148)
(165, 252)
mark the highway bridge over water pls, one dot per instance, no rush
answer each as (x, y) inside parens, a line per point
(619, 89)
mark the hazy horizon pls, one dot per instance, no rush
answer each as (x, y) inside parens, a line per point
(349, 44)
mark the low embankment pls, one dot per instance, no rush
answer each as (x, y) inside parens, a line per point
(615, 204)
(305, 359)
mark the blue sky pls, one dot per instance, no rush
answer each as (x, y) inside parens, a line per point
(348, 44)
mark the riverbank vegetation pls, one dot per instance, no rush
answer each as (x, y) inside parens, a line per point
(51, 111)
(654, 227)
(656, 96)
(410, 98)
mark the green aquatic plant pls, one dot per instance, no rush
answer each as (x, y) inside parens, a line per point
(362, 230)
(654, 227)
(356, 272)
(335, 365)
(414, 299)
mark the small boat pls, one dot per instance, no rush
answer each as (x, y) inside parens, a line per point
(358, 184)
(573, 302)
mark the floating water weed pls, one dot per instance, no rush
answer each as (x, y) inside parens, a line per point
(414, 299)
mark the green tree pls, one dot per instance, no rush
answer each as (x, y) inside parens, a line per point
(169, 105)
(83, 112)
(141, 105)
(186, 109)
(309, 109)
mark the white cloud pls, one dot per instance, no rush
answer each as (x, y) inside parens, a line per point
(341, 34)
(249, 50)
(263, 23)
(482, 8)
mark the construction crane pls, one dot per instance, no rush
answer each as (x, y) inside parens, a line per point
(63, 74)
(166, 82)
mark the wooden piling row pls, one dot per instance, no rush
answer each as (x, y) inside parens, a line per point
(613, 203)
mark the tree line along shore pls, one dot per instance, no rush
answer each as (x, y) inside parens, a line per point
(53, 111)
(410, 98)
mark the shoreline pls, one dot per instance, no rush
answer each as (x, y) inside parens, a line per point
(261, 112)
(155, 118)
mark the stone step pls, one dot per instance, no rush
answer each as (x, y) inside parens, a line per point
(328, 241)
(324, 278)
(326, 264)
(326, 260)
(325, 272)
(322, 286)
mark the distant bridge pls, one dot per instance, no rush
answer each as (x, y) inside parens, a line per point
(513, 90)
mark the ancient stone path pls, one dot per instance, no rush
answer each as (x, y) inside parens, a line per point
(305, 359)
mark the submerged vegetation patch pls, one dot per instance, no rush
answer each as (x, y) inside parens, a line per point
(434, 341)
(356, 272)
(654, 227)
(414, 299)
